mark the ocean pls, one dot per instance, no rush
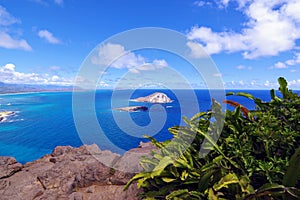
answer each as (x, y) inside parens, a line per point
(45, 120)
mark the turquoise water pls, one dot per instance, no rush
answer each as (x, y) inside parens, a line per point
(45, 120)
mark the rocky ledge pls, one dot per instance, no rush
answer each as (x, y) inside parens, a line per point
(156, 97)
(73, 174)
(132, 108)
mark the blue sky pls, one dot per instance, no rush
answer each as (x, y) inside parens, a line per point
(252, 42)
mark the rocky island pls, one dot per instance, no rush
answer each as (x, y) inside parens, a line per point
(5, 114)
(132, 108)
(156, 97)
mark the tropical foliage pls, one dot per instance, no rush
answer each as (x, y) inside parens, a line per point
(257, 155)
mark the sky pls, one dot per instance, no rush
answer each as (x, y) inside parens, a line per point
(252, 42)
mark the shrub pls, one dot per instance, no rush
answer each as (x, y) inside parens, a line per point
(255, 157)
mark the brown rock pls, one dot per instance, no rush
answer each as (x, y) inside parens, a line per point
(8, 166)
(71, 173)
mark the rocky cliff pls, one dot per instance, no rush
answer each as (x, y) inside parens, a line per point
(73, 174)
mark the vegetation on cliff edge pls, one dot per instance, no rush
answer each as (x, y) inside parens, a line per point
(257, 155)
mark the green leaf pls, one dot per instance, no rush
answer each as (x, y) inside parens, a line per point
(237, 112)
(270, 186)
(226, 181)
(198, 115)
(168, 180)
(283, 86)
(177, 193)
(212, 195)
(163, 164)
(229, 93)
(154, 141)
(149, 198)
(182, 164)
(204, 180)
(174, 171)
(185, 119)
(136, 177)
(293, 172)
(184, 175)
(294, 192)
(216, 147)
(196, 194)
(274, 97)
(244, 94)
(267, 189)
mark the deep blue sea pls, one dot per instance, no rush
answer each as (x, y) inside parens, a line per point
(45, 120)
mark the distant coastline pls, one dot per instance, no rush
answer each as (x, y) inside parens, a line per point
(7, 88)
(33, 92)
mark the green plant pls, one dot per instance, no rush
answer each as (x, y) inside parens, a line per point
(255, 157)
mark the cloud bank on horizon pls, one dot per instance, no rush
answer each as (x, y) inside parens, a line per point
(250, 54)
(10, 75)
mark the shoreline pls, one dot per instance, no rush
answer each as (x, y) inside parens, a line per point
(33, 92)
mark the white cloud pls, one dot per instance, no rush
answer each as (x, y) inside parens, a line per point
(202, 3)
(267, 83)
(6, 40)
(156, 64)
(292, 10)
(214, 43)
(199, 3)
(46, 3)
(116, 56)
(251, 84)
(54, 78)
(286, 64)
(134, 71)
(8, 67)
(6, 18)
(260, 84)
(42, 2)
(54, 68)
(119, 57)
(160, 63)
(8, 74)
(242, 67)
(197, 50)
(217, 75)
(294, 83)
(279, 65)
(59, 2)
(48, 36)
(243, 3)
(103, 84)
(272, 27)
(295, 60)
(224, 2)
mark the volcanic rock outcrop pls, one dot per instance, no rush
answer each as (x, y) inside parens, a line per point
(156, 97)
(72, 174)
